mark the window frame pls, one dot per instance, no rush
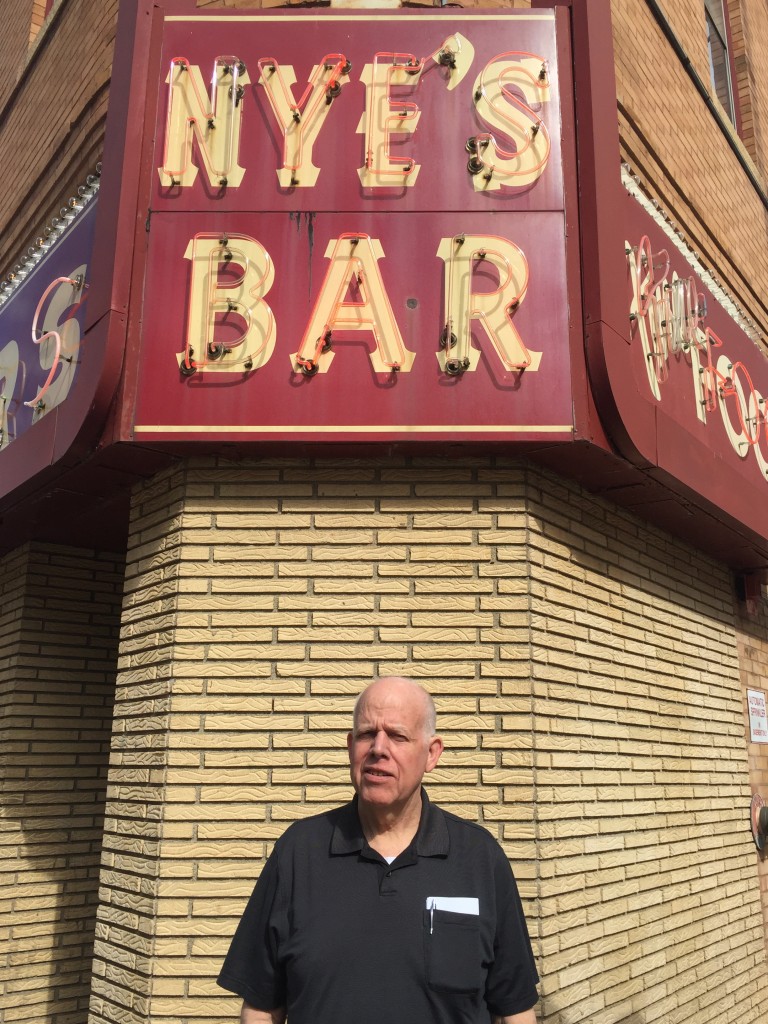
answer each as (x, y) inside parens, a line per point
(726, 41)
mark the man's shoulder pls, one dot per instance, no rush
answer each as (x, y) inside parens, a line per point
(314, 828)
(464, 831)
(472, 843)
(472, 827)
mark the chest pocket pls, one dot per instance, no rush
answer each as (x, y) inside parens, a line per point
(452, 951)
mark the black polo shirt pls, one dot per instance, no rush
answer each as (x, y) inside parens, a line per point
(336, 935)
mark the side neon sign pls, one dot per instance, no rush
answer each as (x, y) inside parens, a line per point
(670, 321)
(41, 326)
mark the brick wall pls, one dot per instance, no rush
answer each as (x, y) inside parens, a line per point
(750, 22)
(126, 924)
(259, 601)
(52, 125)
(586, 676)
(18, 16)
(753, 655)
(649, 902)
(59, 612)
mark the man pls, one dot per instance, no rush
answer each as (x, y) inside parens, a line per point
(387, 910)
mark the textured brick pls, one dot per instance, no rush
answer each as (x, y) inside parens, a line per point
(55, 719)
(585, 775)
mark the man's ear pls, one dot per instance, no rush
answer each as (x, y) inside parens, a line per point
(434, 751)
(350, 739)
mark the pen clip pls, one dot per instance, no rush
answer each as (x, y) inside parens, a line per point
(431, 916)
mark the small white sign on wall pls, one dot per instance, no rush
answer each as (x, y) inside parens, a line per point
(758, 716)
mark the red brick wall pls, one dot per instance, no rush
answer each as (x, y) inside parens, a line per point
(749, 21)
(52, 123)
(17, 23)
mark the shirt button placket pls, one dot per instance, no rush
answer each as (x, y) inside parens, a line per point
(387, 886)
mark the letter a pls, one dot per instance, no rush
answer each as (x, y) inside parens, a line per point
(354, 268)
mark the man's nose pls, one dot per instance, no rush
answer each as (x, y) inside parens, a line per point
(380, 742)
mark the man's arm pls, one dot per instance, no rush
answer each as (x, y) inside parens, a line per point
(250, 1015)
(526, 1017)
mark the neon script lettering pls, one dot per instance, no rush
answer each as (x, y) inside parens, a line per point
(668, 318)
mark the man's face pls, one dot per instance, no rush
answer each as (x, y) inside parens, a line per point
(389, 749)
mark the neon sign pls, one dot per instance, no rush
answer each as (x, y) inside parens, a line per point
(357, 226)
(509, 96)
(668, 317)
(232, 276)
(41, 328)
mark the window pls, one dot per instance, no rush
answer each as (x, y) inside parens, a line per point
(719, 57)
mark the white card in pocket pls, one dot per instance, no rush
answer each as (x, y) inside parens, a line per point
(455, 904)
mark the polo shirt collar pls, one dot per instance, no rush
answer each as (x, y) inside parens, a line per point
(431, 839)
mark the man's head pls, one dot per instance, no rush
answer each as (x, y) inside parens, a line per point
(392, 743)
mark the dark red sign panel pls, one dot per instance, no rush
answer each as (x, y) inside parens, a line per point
(688, 386)
(358, 228)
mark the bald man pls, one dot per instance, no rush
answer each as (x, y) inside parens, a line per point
(386, 910)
